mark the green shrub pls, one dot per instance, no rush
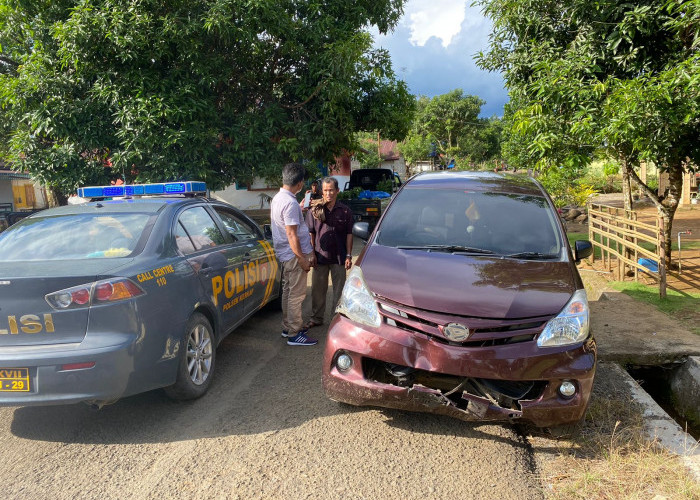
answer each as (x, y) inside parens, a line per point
(350, 194)
(387, 185)
(568, 186)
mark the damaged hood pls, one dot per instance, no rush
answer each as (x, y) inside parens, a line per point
(468, 285)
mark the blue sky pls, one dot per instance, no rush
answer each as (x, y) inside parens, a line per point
(433, 47)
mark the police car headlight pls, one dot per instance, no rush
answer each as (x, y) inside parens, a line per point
(570, 326)
(356, 301)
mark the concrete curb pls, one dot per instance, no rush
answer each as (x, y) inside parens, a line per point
(662, 428)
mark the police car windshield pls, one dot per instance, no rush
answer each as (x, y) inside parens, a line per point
(79, 236)
(495, 223)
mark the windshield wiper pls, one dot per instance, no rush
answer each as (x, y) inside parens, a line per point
(447, 248)
(532, 255)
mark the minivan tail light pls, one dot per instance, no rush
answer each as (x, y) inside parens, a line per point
(98, 292)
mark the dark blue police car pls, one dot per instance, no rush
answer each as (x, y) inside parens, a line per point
(134, 292)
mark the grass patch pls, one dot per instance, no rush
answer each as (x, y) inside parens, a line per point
(610, 457)
(676, 304)
(685, 245)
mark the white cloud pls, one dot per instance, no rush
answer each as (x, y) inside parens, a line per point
(436, 66)
(434, 18)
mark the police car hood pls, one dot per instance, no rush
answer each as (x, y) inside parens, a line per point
(468, 285)
(27, 319)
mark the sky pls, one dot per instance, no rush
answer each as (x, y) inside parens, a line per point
(432, 49)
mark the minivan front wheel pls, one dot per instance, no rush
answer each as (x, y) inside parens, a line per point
(197, 360)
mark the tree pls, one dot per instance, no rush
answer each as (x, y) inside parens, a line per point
(416, 147)
(591, 75)
(219, 91)
(366, 150)
(446, 120)
(448, 126)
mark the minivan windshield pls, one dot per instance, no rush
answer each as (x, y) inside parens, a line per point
(79, 236)
(458, 221)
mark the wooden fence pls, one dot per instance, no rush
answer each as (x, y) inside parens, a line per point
(618, 234)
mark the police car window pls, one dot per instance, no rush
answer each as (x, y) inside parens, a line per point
(200, 228)
(238, 228)
(183, 241)
(75, 236)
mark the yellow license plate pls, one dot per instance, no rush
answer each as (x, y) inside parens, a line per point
(14, 379)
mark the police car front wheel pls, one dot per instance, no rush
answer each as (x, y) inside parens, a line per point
(197, 360)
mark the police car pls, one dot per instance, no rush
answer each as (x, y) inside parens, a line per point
(126, 294)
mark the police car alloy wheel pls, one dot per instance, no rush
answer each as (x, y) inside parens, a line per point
(199, 354)
(197, 360)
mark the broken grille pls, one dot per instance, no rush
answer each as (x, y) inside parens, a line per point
(484, 332)
(501, 393)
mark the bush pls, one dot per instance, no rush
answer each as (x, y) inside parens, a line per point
(567, 187)
(350, 194)
(387, 185)
(604, 177)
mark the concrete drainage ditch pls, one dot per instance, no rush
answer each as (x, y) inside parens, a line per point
(676, 389)
(679, 386)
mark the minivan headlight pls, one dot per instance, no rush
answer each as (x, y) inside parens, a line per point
(356, 301)
(570, 326)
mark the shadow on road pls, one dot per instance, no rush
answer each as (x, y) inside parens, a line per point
(260, 385)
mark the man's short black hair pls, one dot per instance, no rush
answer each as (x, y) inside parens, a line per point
(293, 174)
(330, 180)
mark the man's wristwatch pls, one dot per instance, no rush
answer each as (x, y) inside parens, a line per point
(348, 256)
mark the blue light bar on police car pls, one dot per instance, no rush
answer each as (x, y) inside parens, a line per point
(163, 188)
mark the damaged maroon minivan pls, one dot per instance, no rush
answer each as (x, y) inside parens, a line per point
(466, 301)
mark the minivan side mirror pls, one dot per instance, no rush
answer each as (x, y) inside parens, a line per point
(361, 230)
(582, 249)
(267, 231)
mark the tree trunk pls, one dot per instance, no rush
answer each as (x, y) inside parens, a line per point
(670, 204)
(667, 204)
(627, 200)
(626, 185)
(56, 197)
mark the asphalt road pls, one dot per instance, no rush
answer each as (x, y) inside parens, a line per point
(264, 430)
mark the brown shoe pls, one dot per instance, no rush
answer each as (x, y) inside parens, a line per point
(311, 323)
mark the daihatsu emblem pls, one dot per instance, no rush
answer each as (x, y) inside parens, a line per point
(457, 332)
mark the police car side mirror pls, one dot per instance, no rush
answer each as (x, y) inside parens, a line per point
(267, 231)
(361, 230)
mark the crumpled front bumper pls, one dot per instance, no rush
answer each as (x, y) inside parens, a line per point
(548, 367)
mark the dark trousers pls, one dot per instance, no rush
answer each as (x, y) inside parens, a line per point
(319, 288)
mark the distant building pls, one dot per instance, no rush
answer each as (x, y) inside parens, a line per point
(689, 192)
(19, 193)
(258, 194)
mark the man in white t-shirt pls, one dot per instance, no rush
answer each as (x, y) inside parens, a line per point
(292, 243)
